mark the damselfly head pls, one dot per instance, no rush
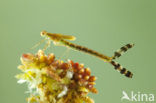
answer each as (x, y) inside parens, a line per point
(43, 33)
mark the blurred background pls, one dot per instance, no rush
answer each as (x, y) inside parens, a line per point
(102, 25)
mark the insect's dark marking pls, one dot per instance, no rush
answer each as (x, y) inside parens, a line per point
(129, 45)
(123, 71)
(128, 74)
(117, 54)
(124, 48)
(85, 49)
(117, 66)
(71, 45)
(78, 47)
(113, 63)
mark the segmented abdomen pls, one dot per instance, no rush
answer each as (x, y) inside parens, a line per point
(123, 49)
(122, 70)
(116, 65)
(86, 50)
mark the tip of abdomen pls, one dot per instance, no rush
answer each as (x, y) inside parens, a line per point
(122, 70)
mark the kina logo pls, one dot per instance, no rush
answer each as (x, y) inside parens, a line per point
(138, 96)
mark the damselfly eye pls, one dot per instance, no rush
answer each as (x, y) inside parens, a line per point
(43, 33)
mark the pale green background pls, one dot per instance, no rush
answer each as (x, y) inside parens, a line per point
(103, 25)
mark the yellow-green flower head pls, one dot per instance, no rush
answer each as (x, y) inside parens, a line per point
(54, 81)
